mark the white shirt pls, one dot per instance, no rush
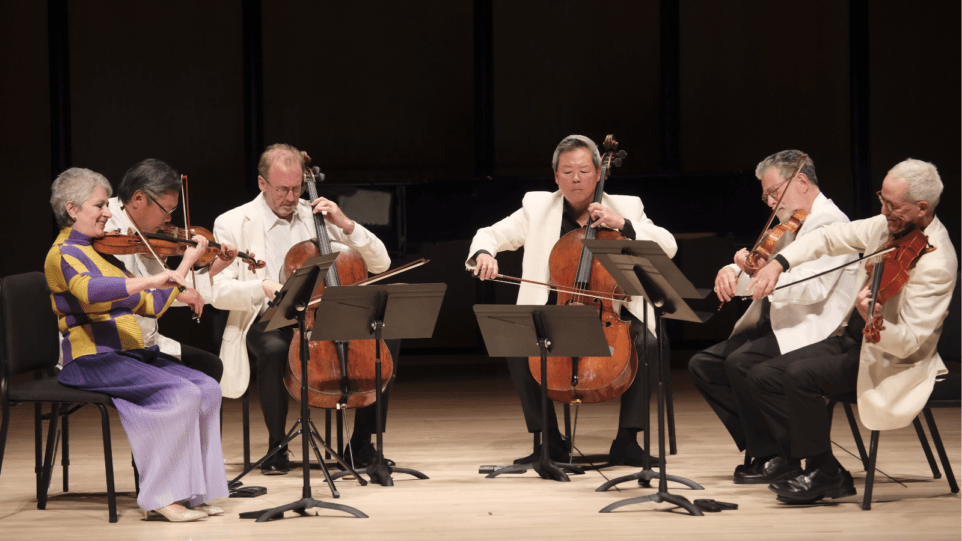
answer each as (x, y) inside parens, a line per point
(280, 235)
(143, 265)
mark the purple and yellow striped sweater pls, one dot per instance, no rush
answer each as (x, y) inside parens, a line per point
(89, 296)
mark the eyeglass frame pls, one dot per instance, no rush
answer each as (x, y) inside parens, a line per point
(282, 192)
(168, 212)
(891, 207)
(769, 192)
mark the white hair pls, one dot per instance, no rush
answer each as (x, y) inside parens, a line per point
(922, 179)
(74, 185)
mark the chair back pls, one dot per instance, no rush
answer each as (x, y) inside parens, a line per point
(28, 340)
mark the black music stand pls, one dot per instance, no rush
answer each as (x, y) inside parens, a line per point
(534, 330)
(387, 312)
(290, 306)
(641, 267)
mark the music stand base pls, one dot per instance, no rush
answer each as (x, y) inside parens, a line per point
(644, 478)
(658, 497)
(381, 474)
(300, 506)
(548, 469)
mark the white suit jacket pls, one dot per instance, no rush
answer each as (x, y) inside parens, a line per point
(813, 310)
(537, 227)
(895, 376)
(143, 265)
(240, 290)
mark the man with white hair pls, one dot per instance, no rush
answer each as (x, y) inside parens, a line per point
(893, 374)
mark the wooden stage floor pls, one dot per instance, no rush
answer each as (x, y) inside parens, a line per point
(446, 427)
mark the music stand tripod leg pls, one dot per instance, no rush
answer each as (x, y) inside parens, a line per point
(306, 502)
(662, 496)
(380, 472)
(544, 466)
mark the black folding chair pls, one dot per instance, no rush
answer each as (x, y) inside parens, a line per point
(29, 343)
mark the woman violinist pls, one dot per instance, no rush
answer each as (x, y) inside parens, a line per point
(171, 413)
(543, 219)
(146, 200)
(892, 377)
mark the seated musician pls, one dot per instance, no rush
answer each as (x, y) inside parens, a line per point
(792, 318)
(269, 226)
(147, 198)
(892, 377)
(537, 226)
(171, 413)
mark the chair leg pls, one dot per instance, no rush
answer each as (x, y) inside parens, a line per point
(133, 464)
(327, 432)
(917, 423)
(4, 428)
(38, 443)
(670, 409)
(857, 436)
(108, 464)
(48, 457)
(953, 484)
(246, 408)
(65, 456)
(567, 412)
(340, 431)
(870, 472)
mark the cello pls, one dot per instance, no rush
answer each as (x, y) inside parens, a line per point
(340, 373)
(581, 279)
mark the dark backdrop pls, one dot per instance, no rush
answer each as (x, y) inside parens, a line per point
(451, 110)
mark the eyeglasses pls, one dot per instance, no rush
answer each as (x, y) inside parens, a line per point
(891, 206)
(772, 191)
(169, 212)
(282, 192)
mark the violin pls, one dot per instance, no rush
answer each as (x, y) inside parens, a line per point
(581, 279)
(890, 273)
(339, 373)
(773, 241)
(169, 242)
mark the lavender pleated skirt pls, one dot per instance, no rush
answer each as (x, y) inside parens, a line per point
(171, 415)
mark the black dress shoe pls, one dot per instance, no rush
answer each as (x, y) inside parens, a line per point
(811, 486)
(279, 464)
(364, 455)
(764, 471)
(556, 453)
(629, 454)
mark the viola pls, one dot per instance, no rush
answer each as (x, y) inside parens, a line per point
(890, 273)
(339, 373)
(581, 279)
(214, 249)
(773, 241)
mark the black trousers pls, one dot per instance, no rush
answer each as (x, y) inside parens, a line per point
(268, 352)
(720, 375)
(201, 360)
(632, 400)
(789, 390)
